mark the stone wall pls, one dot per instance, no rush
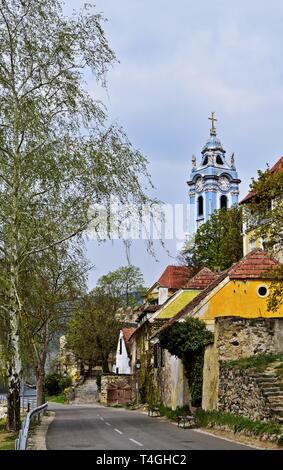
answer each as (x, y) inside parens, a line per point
(243, 337)
(112, 381)
(240, 393)
(236, 338)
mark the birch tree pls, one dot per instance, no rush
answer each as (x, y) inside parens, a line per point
(57, 155)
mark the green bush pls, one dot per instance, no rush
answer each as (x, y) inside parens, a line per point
(236, 423)
(56, 383)
(65, 382)
(173, 414)
(98, 382)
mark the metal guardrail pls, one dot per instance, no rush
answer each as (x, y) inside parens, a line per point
(21, 441)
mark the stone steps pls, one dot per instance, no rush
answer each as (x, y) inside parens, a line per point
(266, 380)
(86, 393)
(272, 393)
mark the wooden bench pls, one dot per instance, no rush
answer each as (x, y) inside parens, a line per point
(186, 420)
(153, 410)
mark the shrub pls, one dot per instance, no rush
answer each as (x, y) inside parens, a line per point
(52, 384)
(65, 382)
(55, 383)
(236, 423)
(98, 382)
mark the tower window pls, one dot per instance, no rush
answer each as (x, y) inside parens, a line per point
(223, 202)
(219, 160)
(205, 161)
(200, 206)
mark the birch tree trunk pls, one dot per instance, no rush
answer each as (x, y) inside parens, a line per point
(14, 368)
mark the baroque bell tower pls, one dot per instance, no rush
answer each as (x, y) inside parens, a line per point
(214, 184)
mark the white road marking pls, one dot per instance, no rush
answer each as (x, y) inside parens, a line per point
(102, 419)
(117, 430)
(108, 424)
(136, 442)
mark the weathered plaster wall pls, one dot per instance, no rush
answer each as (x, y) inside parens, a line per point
(210, 378)
(171, 382)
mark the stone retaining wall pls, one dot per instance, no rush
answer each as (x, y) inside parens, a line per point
(240, 393)
(118, 381)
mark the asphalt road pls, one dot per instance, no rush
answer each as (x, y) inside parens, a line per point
(93, 427)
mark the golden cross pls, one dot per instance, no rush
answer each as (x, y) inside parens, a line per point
(213, 119)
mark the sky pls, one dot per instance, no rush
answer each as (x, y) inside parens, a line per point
(178, 62)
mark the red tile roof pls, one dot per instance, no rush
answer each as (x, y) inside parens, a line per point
(257, 264)
(275, 169)
(202, 279)
(127, 333)
(175, 277)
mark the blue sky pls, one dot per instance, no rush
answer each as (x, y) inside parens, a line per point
(178, 62)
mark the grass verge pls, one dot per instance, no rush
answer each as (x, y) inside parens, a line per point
(238, 423)
(7, 438)
(57, 398)
(258, 362)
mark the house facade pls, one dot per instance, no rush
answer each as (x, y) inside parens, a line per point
(250, 240)
(122, 363)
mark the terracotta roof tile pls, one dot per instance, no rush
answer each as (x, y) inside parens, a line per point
(175, 277)
(257, 264)
(202, 279)
(127, 333)
(275, 169)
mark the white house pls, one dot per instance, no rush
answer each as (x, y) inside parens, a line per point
(123, 356)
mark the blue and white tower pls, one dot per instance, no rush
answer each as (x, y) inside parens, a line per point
(214, 184)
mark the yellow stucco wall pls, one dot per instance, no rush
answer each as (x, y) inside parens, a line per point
(248, 237)
(237, 298)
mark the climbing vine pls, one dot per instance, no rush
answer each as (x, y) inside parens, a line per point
(187, 340)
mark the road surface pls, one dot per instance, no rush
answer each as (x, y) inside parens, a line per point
(93, 427)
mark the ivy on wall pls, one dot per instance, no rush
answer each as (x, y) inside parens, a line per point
(187, 340)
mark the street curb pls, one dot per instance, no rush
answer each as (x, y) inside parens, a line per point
(37, 441)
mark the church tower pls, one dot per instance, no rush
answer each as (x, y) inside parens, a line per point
(214, 184)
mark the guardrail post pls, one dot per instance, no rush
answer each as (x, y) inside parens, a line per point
(21, 441)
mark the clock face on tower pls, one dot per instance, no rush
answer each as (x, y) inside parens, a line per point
(199, 184)
(224, 183)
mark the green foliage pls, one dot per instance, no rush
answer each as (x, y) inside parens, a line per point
(258, 362)
(173, 414)
(7, 439)
(98, 382)
(122, 284)
(59, 158)
(60, 398)
(218, 242)
(187, 341)
(236, 423)
(55, 383)
(94, 329)
(264, 215)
